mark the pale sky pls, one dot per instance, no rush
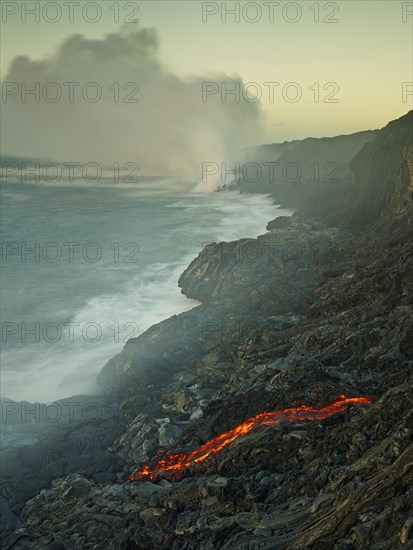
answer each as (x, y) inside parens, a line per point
(367, 53)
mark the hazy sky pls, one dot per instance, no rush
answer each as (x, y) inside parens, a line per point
(367, 53)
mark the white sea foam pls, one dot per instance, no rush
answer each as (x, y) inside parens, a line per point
(46, 371)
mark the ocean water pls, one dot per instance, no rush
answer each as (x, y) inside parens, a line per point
(84, 268)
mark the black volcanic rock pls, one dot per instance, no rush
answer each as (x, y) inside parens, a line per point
(380, 197)
(336, 319)
(240, 284)
(40, 442)
(301, 170)
(261, 270)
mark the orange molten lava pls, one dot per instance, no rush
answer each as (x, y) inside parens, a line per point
(178, 462)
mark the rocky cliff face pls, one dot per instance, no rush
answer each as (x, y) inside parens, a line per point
(297, 171)
(301, 315)
(383, 178)
(381, 195)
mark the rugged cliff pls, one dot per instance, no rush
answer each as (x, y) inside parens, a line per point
(297, 171)
(380, 197)
(302, 315)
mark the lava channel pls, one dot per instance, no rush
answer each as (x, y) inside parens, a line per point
(173, 464)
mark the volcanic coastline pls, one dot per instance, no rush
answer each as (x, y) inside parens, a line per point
(284, 400)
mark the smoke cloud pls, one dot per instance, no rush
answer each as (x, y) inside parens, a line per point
(171, 130)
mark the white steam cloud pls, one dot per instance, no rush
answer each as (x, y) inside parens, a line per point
(170, 131)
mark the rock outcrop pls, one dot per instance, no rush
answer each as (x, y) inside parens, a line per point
(298, 171)
(380, 197)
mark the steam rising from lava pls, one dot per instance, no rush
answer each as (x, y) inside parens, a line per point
(174, 463)
(143, 112)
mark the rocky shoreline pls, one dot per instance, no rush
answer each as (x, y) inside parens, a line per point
(319, 306)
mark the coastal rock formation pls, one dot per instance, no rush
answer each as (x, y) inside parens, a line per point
(40, 442)
(240, 284)
(301, 170)
(334, 318)
(380, 197)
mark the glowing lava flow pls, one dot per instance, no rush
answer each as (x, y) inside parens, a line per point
(177, 462)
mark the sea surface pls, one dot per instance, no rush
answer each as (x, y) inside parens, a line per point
(85, 267)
